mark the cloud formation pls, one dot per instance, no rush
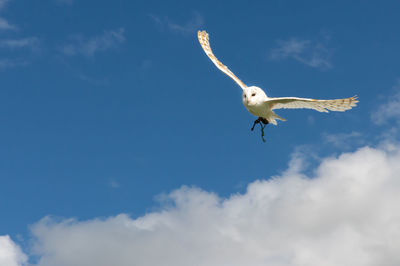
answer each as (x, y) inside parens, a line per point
(2, 3)
(4, 25)
(343, 140)
(29, 42)
(15, 59)
(92, 45)
(345, 214)
(10, 253)
(191, 26)
(10, 63)
(310, 53)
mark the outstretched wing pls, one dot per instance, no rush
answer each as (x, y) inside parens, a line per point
(340, 105)
(203, 39)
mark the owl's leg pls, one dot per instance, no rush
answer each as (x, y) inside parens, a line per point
(257, 121)
(263, 122)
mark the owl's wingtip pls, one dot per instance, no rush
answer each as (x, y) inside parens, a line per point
(202, 32)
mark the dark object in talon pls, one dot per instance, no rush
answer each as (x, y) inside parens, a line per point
(263, 122)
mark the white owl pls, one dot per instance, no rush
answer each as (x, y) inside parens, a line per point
(259, 104)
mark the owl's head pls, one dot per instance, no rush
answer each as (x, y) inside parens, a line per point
(253, 96)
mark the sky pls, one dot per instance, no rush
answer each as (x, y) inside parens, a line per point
(122, 144)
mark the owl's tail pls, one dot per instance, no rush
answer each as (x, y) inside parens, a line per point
(273, 117)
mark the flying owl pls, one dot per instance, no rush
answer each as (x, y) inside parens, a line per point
(259, 104)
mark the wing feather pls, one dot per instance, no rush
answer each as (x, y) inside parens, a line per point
(340, 105)
(204, 42)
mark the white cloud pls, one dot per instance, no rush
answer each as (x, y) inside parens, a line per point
(10, 253)
(390, 110)
(346, 214)
(89, 46)
(313, 54)
(191, 26)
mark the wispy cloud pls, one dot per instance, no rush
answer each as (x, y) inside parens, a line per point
(15, 58)
(2, 3)
(344, 140)
(93, 80)
(389, 110)
(11, 63)
(30, 42)
(4, 25)
(89, 46)
(311, 53)
(114, 184)
(191, 26)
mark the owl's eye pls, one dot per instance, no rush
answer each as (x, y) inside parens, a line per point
(244, 96)
(253, 94)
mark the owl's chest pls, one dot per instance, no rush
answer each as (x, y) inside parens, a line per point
(258, 109)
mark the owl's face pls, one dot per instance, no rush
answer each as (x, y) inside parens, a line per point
(253, 96)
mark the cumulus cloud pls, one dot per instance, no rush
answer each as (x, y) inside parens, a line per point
(389, 110)
(189, 27)
(346, 213)
(311, 53)
(89, 46)
(10, 253)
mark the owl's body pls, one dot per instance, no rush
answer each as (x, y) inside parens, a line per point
(259, 104)
(256, 102)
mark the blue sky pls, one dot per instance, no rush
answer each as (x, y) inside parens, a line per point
(104, 105)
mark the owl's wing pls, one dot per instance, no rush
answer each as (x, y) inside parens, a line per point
(203, 39)
(340, 105)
